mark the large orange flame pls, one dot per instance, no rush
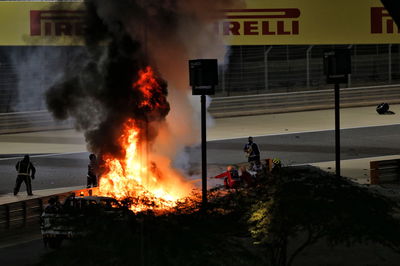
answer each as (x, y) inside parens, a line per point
(147, 84)
(147, 179)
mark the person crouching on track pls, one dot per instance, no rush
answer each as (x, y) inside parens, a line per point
(92, 171)
(26, 171)
(231, 176)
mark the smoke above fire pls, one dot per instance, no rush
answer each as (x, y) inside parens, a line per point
(126, 39)
(122, 38)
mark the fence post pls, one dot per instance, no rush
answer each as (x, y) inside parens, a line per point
(390, 63)
(241, 64)
(266, 52)
(349, 75)
(40, 201)
(223, 79)
(308, 64)
(24, 214)
(7, 207)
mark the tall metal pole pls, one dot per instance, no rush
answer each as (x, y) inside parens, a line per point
(266, 81)
(349, 75)
(390, 63)
(203, 151)
(223, 80)
(337, 128)
(308, 65)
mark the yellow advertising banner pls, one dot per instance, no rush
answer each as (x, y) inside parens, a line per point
(261, 22)
(41, 23)
(269, 22)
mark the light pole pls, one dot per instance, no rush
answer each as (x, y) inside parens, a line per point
(337, 67)
(203, 79)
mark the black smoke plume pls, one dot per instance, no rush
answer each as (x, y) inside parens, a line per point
(123, 37)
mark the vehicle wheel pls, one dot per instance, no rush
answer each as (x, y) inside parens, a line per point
(54, 243)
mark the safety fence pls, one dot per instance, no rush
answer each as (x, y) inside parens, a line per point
(288, 68)
(26, 73)
(27, 213)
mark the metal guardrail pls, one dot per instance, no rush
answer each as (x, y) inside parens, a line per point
(302, 101)
(233, 106)
(26, 213)
(385, 172)
(30, 121)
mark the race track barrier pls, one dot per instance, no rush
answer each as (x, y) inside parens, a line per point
(27, 213)
(385, 172)
(233, 106)
(302, 101)
(30, 121)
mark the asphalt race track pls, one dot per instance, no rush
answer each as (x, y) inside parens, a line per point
(65, 170)
(311, 147)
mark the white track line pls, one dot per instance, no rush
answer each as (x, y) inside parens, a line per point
(42, 155)
(363, 158)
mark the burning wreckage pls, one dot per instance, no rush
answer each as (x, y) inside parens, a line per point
(115, 93)
(132, 177)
